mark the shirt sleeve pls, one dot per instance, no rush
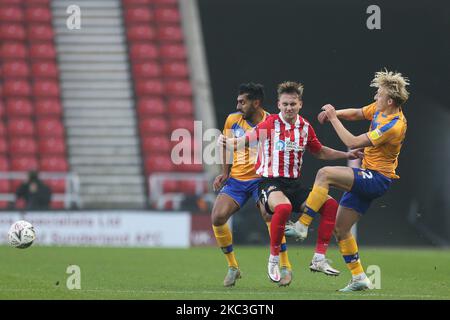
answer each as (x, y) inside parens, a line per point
(385, 133)
(369, 110)
(227, 132)
(313, 143)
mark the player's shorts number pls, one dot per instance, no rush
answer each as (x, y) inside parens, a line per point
(367, 174)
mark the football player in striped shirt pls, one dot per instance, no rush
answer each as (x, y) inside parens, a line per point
(382, 144)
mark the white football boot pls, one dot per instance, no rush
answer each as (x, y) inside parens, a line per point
(273, 268)
(296, 230)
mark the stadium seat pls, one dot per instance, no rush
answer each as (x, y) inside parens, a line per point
(175, 69)
(141, 33)
(42, 51)
(138, 15)
(15, 69)
(172, 51)
(5, 186)
(18, 88)
(53, 163)
(169, 33)
(20, 127)
(2, 108)
(158, 163)
(56, 185)
(188, 167)
(12, 31)
(57, 205)
(16, 50)
(149, 69)
(38, 14)
(22, 146)
(167, 15)
(45, 69)
(19, 107)
(50, 127)
(51, 145)
(178, 88)
(40, 32)
(4, 163)
(170, 186)
(2, 129)
(164, 2)
(190, 186)
(24, 163)
(129, 3)
(11, 2)
(155, 143)
(180, 106)
(149, 87)
(43, 3)
(47, 107)
(143, 51)
(11, 14)
(3, 146)
(153, 125)
(151, 106)
(46, 88)
(177, 123)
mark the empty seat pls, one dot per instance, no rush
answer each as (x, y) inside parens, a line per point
(38, 14)
(2, 109)
(11, 2)
(16, 50)
(52, 145)
(175, 69)
(4, 163)
(46, 88)
(141, 33)
(56, 185)
(180, 106)
(43, 3)
(11, 14)
(15, 69)
(167, 15)
(16, 88)
(47, 107)
(53, 163)
(165, 2)
(127, 3)
(151, 106)
(57, 204)
(177, 123)
(153, 125)
(149, 69)
(44, 69)
(172, 51)
(178, 88)
(40, 32)
(158, 163)
(19, 107)
(149, 87)
(12, 31)
(3, 145)
(22, 146)
(2, 129)
(5, 186)
(20, 127)
(138, 15)
(169, 33)
(42, 51)
(50, 127)
(170, 186)
(156, 144)
(143, 51)
(188, 167)
(24, 163)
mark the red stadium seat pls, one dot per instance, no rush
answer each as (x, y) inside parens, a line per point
(178, 88)
(173, 51)
(138, 15)
(143, 51)
(4, 164)
(149, 69)
(167, 15)
(158, 164)
(38, 14)
(46, 88)
(2, 129)
(40, 32)
(12, 31)
(42, 51)
(169, 33)
(57, 204)
(48, 107)
(16, 50)
(19, 88)
(50, 145)
(141, 33)
(54, 163)
(42, 3)
(153, 125)
(47, 69)
(156, 144)
(11, 2)
(149, 87)
(188, 167)
(24, 163)
(3, 146)
(15, 69)
(50, 127)
(170, 186)
(20, 127)
(19, 107)
(175, 70)
(165, 2)
(190, 186)
(129, 3)
(11, 14)
(2, 109)
(151, 107)
(5, 186)
(22, 146)
(56, 185)
(180, 106)
(182, 123)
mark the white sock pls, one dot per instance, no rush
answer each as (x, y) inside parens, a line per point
(274, 259)
(359, 277)
(318, 257)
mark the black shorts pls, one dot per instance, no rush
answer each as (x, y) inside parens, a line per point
(292, 189)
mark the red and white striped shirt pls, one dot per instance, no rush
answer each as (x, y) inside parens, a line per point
(281, 146)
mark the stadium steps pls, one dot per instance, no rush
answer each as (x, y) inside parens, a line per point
(99, 111)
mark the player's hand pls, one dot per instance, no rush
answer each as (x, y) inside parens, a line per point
(225, 142)
(322, 117)
(330, 112)
(219, 181)
(355, 154)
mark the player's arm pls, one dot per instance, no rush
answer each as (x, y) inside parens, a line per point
(351, 141)
(327, 153)
(227, 158)
(350, 114)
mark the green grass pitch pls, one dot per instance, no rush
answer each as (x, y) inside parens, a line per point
(197, 273)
